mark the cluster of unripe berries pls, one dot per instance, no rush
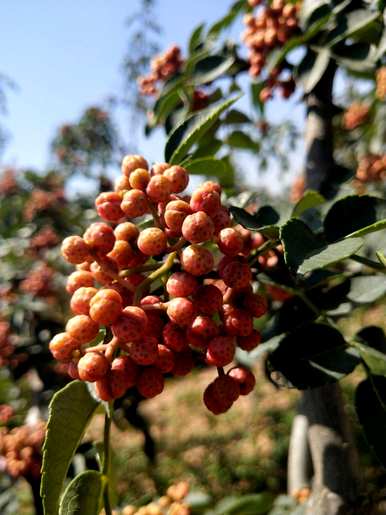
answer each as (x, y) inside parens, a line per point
(270, 28)
(355, 115)
(163, 67)
(380, 91)
(173, 503)
(171, 295)
(371, 168)
(21, 449)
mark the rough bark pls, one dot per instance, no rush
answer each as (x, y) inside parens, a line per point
(334, 459)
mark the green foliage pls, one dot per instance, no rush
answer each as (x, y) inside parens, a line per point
(83, 495)
(70, 412)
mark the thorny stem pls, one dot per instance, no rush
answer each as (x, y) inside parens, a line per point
(168, 263)
(106, 461)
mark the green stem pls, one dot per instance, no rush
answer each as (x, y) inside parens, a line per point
(368, 262)
(168, 263)
(106, 462)
(138, 269)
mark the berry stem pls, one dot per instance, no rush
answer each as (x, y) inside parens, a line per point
(138, 269)
(106, 461)
(177, 246)
(153, 276)
(155, 216)
(220, 371)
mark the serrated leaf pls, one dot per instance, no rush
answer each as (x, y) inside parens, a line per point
(312, 355)
(354, 216)
(366, 289)
(83, 495)
(330, 254)
(309, 200)
(370, 405)
(192, 129)
(70, 411)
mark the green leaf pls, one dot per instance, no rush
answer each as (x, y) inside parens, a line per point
(211, 68)
(196, 38)
(241, 140)
(252, 504)
(226, 21)
(70, 411)
(355, 216)
(312, 355)
(375, 360)
(312, 9)
(256, 88)
(234, 116)
(316, 70)
(370, 405)
(191, 130)
(330, 254)
(367, 288)
(298, 241)
(263, 220)
(353, 24)
(309, 200)
(83, 496)
(164, 106)
(205, 166)
(356, 57)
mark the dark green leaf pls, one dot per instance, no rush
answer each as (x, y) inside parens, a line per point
(241, 140)
(373, 336)
(196, 38)
(375, 360)
(211, 68)
(309, 200)
(234, 116)
(256, 88)
(263, 220)
(164, 106)
(367, 289)
(312, 355)
(83, 495)
(330, 254)
(353, 24)
(355, 216)
(311, 10)
(298, 241)
(251, 504)
(191, 130)
(226, 21)
(70, 412)
(315, 73)
(205, 166)
(370, 404)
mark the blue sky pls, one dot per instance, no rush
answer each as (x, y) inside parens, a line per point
(64, 56)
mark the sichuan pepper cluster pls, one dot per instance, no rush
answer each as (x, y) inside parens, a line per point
(170, 293)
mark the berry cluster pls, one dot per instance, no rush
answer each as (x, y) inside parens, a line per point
(380, 91)
(6, 345)
(163, 67)
(21, 449)
(371, 168)
(42, 200)
(8, 183)
(270, 28)
(39, 281)
(355, 115)
(43, 239)
(173, 294)
(173, 503)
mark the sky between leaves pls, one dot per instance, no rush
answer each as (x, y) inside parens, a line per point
(65, 56)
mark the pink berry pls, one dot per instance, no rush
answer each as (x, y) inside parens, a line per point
(197, 227)
(230, 242)
(159, 188)
(175, 213)
(79, 279)
(80, 300)
(75, 250)
(245, 378)
(249, 342)
(236, 321)
(131, 163)
(165, 359)
(180, 311)
(178, 178)
(221, 351)
(82, 328)
(208, 299)
(181, 284)
(236, 274)
(152, 241)
(174, 337)
(197, 260)
(204, 327)
(92, 367)
(151, 382)
(108, 206)
(63, 345)
(144, 351)
(134, 203)
(100, 237)
(131, 325)
(203, 200)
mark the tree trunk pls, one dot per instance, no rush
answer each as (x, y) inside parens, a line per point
(335, 484)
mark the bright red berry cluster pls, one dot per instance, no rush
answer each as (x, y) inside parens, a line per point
(163, 67)
(270, 28)
(170, 295)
